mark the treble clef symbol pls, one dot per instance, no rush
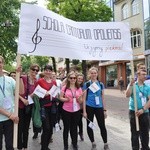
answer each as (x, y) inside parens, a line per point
(35, 38)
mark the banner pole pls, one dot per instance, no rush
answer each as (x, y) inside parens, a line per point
(15, 133)
(134, 94)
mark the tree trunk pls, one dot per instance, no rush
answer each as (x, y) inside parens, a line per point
(84, 66)
(67, 61)
(54, 63)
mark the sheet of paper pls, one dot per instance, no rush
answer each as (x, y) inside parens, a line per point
(30, 100)
(39, 91)
(94, 87)
(92, 125)
(54, 91)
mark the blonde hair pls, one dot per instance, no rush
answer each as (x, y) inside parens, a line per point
(93, 68)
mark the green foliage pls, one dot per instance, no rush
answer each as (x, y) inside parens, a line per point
(41, 61)
(9, 21)
(28, 60)
(9, 68)
(81, 10)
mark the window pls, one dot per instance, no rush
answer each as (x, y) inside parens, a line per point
(135, 38)
(135, 7)
(125, 11)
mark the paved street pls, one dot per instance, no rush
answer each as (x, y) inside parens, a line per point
(117, 127)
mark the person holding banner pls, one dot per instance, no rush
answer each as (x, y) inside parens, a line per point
(94, 104)
(46, 107)
(143, 103)
(25, 109)
(7, 116)
(71, 95)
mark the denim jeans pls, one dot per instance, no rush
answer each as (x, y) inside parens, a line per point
(143, 132)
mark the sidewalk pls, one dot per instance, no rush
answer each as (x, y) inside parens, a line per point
(118, 133)
(118, 137)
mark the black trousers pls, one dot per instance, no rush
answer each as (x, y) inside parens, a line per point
(6, 129)
(143, 134)
(47, 128)
(80, 125)
(23, 128)
(99, 114)
(70, 121)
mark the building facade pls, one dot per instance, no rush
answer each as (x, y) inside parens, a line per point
(146, 16)
(131, 12)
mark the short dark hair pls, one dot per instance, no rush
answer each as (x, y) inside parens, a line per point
(11, 73)
(49, 67)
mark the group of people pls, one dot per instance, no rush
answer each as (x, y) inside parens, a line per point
(74, 100)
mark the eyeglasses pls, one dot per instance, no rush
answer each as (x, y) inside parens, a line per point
(72, 78)
(35, 70)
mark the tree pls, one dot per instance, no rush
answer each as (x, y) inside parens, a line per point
(54, 63)
(81, 10)
(9, 22)
(28, 60)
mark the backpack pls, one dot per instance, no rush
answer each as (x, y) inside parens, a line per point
(88, 84)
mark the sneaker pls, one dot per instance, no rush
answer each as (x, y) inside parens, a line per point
(66, 148)
(81, 137)
(35, 135)
(75, 147)
(93, 146)
(106, 147)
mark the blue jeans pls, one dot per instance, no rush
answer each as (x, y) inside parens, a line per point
(6, 129)
(143, 132)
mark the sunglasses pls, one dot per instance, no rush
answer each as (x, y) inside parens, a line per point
(35, 70)
(72, 78)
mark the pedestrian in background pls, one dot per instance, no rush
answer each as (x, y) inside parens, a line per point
(121, 84)
(13, 75)
(94, 104)
(143, 103)
(71, 96)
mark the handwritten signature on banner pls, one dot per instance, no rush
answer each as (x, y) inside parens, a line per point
(36, 39)
(99, 51)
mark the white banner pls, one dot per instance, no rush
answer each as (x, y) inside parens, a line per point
(45, 33)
